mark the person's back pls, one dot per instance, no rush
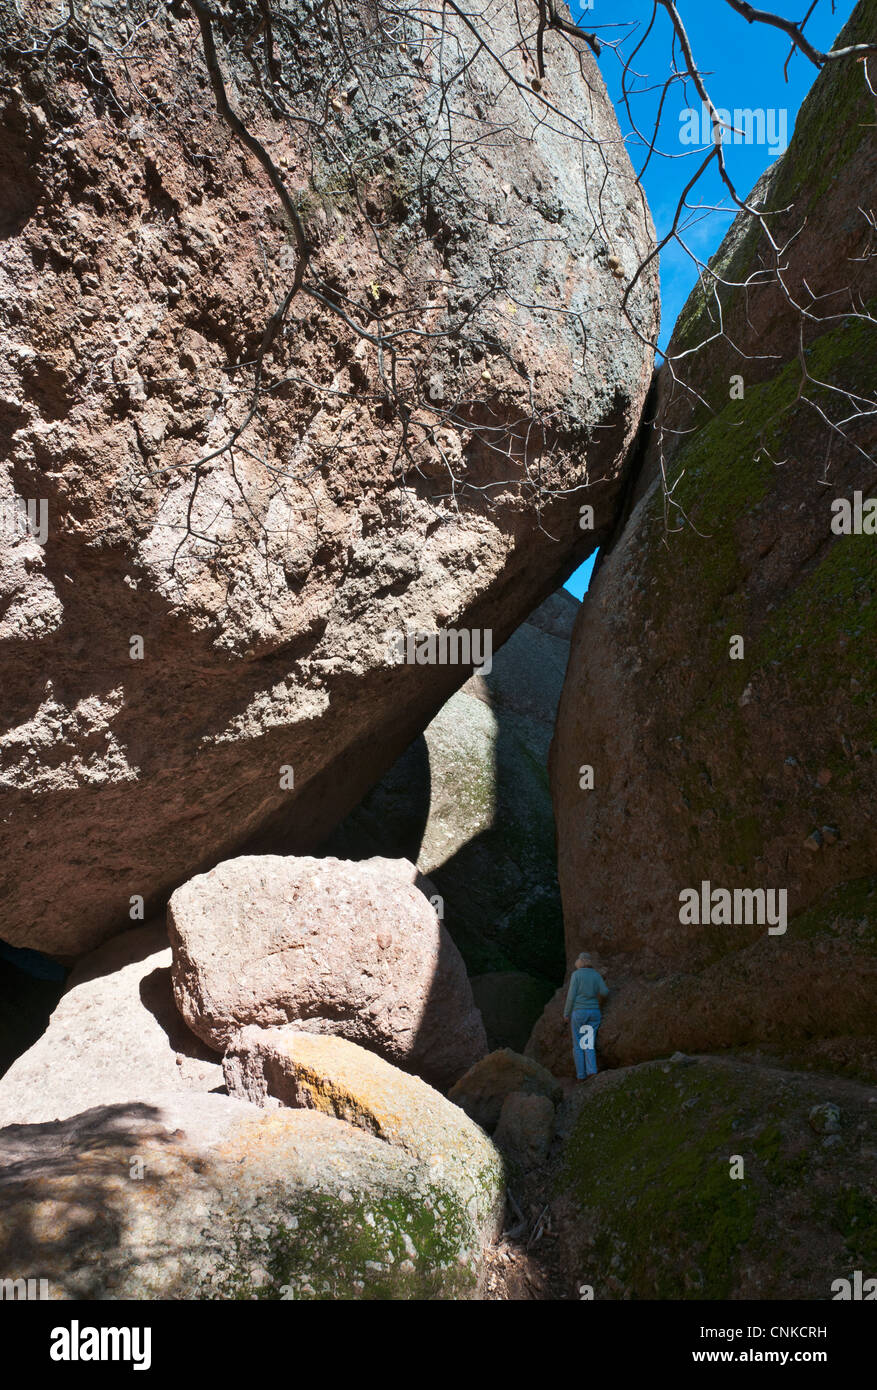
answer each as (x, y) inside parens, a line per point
(586, 988)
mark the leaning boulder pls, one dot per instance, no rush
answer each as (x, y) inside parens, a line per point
(351, 949)
(196, 644)
(209, 1197)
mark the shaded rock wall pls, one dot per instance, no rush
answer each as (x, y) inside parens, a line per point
(469, 802)
(760, 771)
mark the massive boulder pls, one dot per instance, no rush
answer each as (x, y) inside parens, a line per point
(351, 949)
(722, 681)
(209, 1197)
(115, 1035)
(241, 506)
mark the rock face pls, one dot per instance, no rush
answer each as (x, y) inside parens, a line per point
(240, 511)
(114, 1036)
(469, 803)
(351, 949)
(743, 764)
(484, 1088)
(510, 1003)
(202, 1197)
(329, 1074)
(711, 1184)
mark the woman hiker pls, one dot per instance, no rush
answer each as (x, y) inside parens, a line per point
(586, 988)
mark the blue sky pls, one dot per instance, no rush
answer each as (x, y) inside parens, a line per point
(743, 68)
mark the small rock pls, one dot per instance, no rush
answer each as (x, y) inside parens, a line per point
(296, 939)
(484, 1088)
(525, 1128)
(825, 1118)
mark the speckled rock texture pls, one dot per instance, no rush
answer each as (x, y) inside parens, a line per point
(351, 949)
(485, 1087)
(454, 379)
(754, 767)
(703, 1179)
(209, 1197)
(319, 1072)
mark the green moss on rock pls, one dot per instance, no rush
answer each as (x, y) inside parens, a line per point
(390, 1248)
(648, 1168)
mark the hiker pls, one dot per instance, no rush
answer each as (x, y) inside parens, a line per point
(586, 988)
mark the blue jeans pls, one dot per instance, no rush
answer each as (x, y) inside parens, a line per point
(584, 1056)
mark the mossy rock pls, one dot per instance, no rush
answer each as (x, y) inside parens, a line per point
(723, 676)
(206, 1197)
(652, 1206)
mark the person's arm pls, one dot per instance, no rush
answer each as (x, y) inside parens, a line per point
(603, 988)
(570, 995)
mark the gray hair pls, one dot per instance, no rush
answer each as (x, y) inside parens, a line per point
(583, 958)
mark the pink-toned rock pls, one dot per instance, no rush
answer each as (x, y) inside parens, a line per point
(272, 1067)
(234, 1202)
(114, 1036)
(724, 660)
(141, 262)
(333, 947)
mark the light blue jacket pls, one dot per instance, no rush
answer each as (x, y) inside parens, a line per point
(586, 988)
